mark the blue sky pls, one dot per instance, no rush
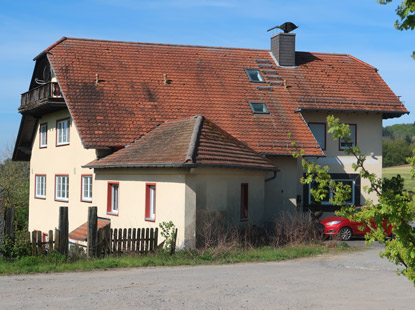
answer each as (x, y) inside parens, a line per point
(363, 29)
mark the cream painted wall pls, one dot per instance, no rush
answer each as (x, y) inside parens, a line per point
(52, 160)
(281, 192)
(369, 140)
(170, 197)
(220, 190)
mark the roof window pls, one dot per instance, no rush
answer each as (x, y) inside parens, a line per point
(254, 75)
(258, 107)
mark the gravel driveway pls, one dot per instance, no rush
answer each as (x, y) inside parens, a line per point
(359, 280)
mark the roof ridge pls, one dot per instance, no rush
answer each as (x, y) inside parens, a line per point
(155, 44)
(193, 140)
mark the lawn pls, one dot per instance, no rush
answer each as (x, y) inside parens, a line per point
(404, 171)
(58, 263)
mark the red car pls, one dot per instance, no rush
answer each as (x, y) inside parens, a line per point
(342, 227)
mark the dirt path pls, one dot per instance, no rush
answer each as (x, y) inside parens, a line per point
(359, 280)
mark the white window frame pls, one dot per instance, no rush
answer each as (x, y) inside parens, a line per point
(115, 195)
(40, 186)
(86, 187)
(61, 187)
(151, 203)
(353, 186)
(62, 132)
(43, 135)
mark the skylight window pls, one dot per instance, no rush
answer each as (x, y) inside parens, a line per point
(258, 107)
(254, 75)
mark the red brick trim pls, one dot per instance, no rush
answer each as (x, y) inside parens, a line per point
(69, 131)
(61, 175)
(82, 186)
(40, 136)
(147, 214)
(36, 175)
(109, 198)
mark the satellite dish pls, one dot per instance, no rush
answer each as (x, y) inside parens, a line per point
(286, 27)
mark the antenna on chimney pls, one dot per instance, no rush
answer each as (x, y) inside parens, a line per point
(286, 27)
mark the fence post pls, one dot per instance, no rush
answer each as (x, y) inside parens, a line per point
(92, 237)
(9, 222)
(63, 230)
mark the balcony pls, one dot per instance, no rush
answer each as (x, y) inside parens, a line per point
(42, 99)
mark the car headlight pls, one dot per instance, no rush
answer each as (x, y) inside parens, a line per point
(333, 223)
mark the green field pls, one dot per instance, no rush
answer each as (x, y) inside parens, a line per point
(404, 171)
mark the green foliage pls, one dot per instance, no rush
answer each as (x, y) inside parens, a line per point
(16, 247)
(395, 205)
(395, 152)
(14, 189)
(406, 13)
(168, 232)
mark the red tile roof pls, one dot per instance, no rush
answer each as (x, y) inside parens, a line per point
(81, 232)
(118, 91)
(191, 142)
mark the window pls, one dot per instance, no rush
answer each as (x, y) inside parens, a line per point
(62, 188)
(150, 202)
(244, 201)
(258, 108)
(353, 180)
(350, 141)
(113, 198)
(43, 135)
(86, 187)
(40, 186)
(319, 132)
(254, 75)
(62, 132)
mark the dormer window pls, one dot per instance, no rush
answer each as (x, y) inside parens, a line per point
(258, 108)
(254, 75)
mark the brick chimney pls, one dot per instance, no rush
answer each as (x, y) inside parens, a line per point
(283, 48)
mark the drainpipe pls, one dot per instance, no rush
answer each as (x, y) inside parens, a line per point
(273, 177)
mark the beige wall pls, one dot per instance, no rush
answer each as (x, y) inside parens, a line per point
(179, 193)
(52, 160)
(281, 192)
(369, 140)
(170, 197)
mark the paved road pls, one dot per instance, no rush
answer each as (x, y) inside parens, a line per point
(348, 281)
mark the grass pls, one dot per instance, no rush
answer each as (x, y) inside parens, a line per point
(404, 171)
(58, 263)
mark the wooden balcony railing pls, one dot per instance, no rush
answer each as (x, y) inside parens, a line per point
(40, 94)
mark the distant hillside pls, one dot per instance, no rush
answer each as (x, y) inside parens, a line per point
(398, 144)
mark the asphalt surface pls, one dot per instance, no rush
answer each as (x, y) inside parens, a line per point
(359, 280)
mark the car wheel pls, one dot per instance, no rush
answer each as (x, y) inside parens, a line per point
(345, 233)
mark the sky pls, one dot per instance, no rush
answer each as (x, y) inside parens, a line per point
(363, 29)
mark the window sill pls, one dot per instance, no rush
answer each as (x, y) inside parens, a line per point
(112, 213)
(62, 144)
(150, 219)
(40, 197)
(86, 200)
(61, 200)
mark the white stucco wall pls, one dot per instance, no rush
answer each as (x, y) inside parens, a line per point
(52, 160)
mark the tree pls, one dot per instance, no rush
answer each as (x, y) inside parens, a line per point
(406, 13)
(395, 205)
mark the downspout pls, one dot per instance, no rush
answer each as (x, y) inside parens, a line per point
(273, 177)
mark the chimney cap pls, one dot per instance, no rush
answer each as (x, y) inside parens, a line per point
(286, 27)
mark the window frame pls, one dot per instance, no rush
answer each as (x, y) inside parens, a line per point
(68, 120)
(83, 198)
(354, 143)
(325, 134)
(62, 199)
(249, 76)
(251, 103)
(41, 134)
(148, 215)
(353, 187)
(110, 206)
(244, 206)
(36, 186)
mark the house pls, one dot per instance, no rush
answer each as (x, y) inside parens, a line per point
(159, 132)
